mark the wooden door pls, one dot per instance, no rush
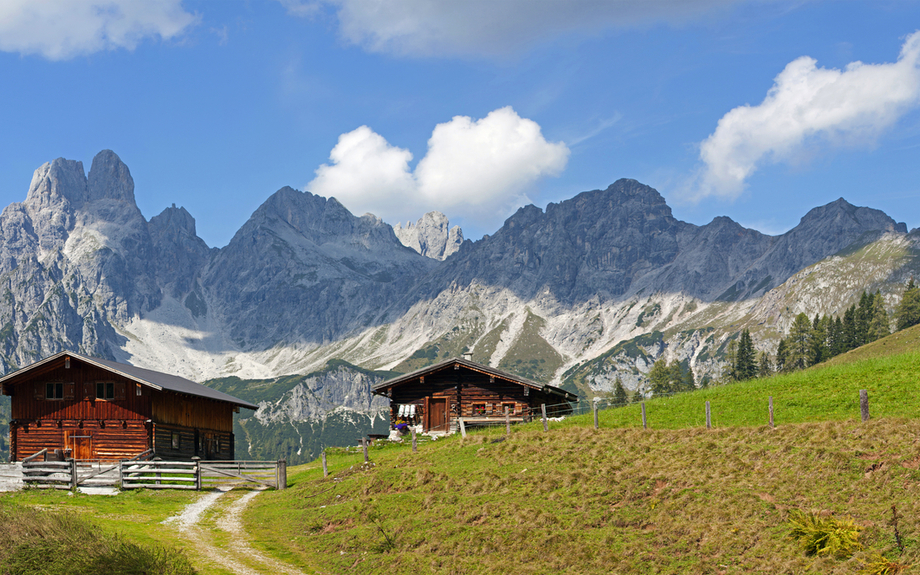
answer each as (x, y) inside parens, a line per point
(80, 444)
(437, 414)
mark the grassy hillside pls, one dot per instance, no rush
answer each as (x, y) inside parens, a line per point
(676, 498)
(576, 500)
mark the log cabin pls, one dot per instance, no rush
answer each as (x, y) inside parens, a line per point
(90, 408)
(437, 395)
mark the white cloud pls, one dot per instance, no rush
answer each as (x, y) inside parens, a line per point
(808, 107)
(64, 29)
(367, 174)
(490, 27)
(473, 169)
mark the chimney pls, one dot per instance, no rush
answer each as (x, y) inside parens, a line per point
(468, 355)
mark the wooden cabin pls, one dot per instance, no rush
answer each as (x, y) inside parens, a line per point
(89, 408)
(436, 396)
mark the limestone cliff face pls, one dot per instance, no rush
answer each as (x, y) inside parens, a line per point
(431, 236)
(319, 395)
(304, 269)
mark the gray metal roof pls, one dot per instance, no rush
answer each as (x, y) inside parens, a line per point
(155, 379)
(475, 367)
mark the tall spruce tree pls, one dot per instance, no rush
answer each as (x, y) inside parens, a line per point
(799, 343)
(782, 355)
(764, 365)
(619, 393)
(659, 377)
(818, 341)
(879, 324)
(688, 382)
(745, 366)
(908, 313)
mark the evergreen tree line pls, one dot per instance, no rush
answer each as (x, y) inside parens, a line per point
(811, 341)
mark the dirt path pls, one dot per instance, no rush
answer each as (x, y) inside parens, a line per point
(234, 554)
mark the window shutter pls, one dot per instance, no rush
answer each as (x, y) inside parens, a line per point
(68, 390)
(39, 391)
(119, 391)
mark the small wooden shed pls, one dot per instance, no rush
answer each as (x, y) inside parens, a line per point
(92, 408)
(437, 395)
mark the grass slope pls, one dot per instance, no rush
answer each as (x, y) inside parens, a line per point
(676, 498)
(576, 500)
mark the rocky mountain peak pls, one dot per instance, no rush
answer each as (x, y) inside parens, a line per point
(431, 236)
(110, 179)
(56, 182)
(175, 220)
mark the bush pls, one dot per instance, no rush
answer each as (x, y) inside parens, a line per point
(825, 536)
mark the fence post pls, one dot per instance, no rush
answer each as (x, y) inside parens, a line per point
(462, 427)
(156, 465)
(507, 422)
(545, 425)
(197, 461)
(73, 474)
(708, 417)
(414, 442)
(281, 474)
(864, 404)
(325, 467)
(596, 399)
(644, 419)
(772, 426)
(364, 446)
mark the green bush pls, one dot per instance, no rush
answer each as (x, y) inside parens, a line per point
(825, 536)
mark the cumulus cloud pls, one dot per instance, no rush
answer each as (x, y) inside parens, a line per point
(808, 107)
(489, 27)
(64, 29)
(473, 169)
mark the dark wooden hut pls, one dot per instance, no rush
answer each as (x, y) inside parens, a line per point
(436, 396)
(97, 409)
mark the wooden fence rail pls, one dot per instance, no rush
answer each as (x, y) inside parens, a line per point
(135, 474)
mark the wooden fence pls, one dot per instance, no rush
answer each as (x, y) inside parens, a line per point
(151, 474)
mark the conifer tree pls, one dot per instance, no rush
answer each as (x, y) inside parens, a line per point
(863, 316)
(879, 325)
(745, 367)
(908, 313)
(799, 344)
(782, 355)
(731, 356)
(764, 365)
(619, 393)
(676, 376)
(818, 341)
(688, 382)
(659, 377)
(849, 329)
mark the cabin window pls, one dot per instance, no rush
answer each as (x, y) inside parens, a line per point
(175, 440)
(54, 390)
(105, 390)
(479, 409)
(508, 408)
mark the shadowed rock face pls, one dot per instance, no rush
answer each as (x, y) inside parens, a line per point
(304, 268)
(621, 240)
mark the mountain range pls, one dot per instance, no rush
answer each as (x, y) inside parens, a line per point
(590, 289)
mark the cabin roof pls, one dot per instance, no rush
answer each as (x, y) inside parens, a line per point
(154, 379)
(473, 366)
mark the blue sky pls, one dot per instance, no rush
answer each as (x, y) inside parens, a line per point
(754, 110)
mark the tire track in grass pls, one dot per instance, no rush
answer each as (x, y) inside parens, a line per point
(238, 556)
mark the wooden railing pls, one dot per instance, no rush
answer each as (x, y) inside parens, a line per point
(136, 473)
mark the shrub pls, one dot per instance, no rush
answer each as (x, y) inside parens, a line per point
(878, 564)
(826, 536)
